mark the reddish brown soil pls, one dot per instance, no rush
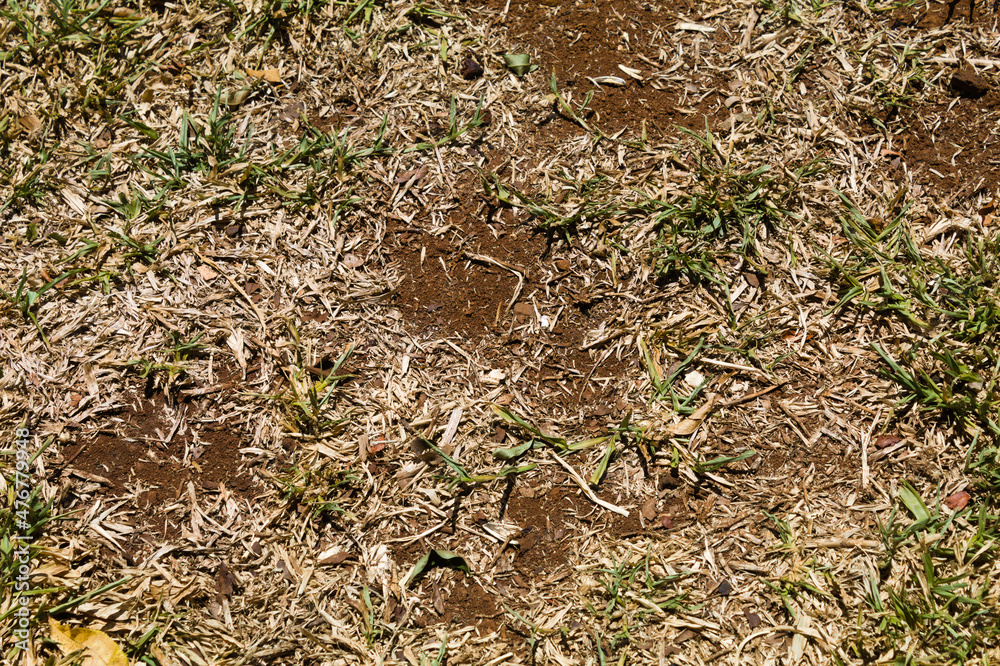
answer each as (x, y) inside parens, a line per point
(450, 289)
(551, 520)
(952, 146)
(548, 523)
(935, 13)
(458, 600)
(591, 39)
(130, 454)
(447, 292)
(960, 144)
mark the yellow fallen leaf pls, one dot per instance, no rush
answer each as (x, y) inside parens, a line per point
(271, 75)
(98, 648)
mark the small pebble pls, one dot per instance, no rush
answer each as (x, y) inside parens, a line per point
(471, 69)
(966, 83)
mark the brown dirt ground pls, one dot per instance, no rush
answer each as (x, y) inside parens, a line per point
(954, 146)
(951, 145)
(586, 40)
(447, 290)
(937, 13)
(130, 458)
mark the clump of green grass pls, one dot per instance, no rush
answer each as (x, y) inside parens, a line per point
(23, 519)
(209, 148)
(319, 491)
(794, 11)
(587, 204)
(27, 180)
(948, 366)
(309, 400)
(939, 602)
(25, 299)
(93, 43)
(721, 216)
(174, 359)
(631, 593)
(46, 29)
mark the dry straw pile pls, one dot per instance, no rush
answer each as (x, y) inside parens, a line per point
(579, 331)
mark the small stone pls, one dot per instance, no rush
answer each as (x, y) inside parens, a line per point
(471, 69)
(563, 264)
(966, 83)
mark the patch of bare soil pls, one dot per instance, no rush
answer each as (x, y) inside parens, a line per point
(514, 295)
(948, 139)
(548, 523)
(457, 600)
(954, 146)
(451, 284)
(582, 42)
(152, 455)
(551, 522)
(934, 14)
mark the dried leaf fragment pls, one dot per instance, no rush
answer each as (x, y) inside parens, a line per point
(957, 501)
(634, 73)
(471, 69)
(235, 97)
(608, 80)
(292, 111)
(691, 423)
(648, 509)
(161, 655)
(353, 260)
(333, 557)
(885, 441)
(98, 648)
(694, 27)
(988, 211)
(30, 123)
(225, 582)
(412, 174)
(270, 75)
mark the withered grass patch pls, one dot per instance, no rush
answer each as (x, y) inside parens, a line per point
(341, 341)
